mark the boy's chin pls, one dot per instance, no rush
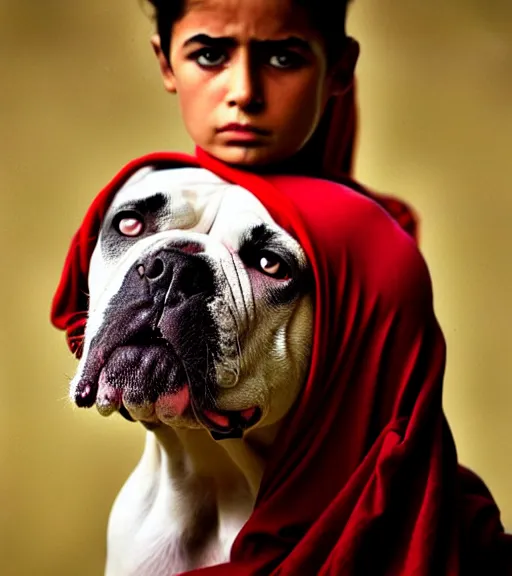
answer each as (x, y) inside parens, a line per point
(255, 156)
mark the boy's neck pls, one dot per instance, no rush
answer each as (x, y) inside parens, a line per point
(303, 163)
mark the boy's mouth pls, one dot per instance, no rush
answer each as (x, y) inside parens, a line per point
(243, 129)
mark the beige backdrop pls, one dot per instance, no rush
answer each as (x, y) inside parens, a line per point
(80, 95)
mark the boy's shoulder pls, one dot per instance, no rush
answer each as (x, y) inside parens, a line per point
(345, 189)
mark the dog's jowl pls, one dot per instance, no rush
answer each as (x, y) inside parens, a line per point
(200, 328)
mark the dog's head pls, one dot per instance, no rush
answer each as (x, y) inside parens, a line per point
(200, 309)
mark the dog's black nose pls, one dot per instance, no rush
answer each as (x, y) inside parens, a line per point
(180, 273)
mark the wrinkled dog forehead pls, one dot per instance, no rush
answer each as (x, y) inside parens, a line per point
(191, 199)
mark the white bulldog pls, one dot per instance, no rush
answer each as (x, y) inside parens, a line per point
(200, 328)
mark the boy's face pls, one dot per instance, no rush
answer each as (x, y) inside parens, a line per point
(251, 77)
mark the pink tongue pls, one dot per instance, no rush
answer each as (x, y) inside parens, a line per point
(218, 419)
(248, 414)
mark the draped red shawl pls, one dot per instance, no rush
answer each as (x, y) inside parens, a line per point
(363, 478)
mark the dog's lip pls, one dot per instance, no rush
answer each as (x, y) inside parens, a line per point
(100, 352)
(223, 424)
(220, 423)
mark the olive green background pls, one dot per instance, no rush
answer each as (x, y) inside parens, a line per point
(80, 95)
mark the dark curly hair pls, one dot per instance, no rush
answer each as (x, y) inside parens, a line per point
(328, 17)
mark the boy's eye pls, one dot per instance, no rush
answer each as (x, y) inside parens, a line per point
(209, 57)
(285, 60)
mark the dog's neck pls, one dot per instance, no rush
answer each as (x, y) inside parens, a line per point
(186, 501)
(225, 462)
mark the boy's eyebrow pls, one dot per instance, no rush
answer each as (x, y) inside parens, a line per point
(230, 42)
(223, 41)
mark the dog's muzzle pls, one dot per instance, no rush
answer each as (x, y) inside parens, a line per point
(153, 358)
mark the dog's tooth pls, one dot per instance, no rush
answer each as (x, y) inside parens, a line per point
(108, 399)
(105, 407)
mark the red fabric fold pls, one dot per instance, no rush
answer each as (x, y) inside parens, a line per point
(364, 478)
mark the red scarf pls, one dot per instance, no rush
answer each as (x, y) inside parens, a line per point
(363, 478)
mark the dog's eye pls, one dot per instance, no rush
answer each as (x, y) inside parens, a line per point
(129, 224)
(130, 227)
(273, 266)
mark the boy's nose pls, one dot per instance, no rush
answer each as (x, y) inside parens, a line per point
(244, 86)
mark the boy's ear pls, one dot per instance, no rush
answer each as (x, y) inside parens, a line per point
(165, 66)
(342, 71)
